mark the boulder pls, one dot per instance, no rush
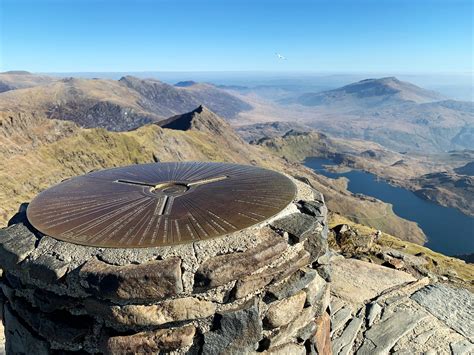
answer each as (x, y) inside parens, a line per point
(313, 208)
(289, 332)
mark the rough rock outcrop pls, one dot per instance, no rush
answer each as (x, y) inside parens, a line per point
(378, 310)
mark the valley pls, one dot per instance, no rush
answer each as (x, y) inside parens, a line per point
(448, 230)
(57, 128)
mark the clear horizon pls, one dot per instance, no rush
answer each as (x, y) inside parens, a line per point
(368, 36)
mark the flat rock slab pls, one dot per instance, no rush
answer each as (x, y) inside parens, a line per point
(384, 335)
(340, 319)
(454, 307)
(343, 344)
(357, 281)
(462, 347)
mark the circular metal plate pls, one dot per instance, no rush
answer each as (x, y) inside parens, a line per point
(159, 204)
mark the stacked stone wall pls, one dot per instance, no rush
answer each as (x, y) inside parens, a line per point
(263, 289)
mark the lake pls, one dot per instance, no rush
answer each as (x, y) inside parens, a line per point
(449, 231)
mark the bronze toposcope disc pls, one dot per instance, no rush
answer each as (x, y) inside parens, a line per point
(159, 204)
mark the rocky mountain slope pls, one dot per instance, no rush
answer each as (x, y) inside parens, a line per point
(116, 105)
(167, 100)
(23, 173)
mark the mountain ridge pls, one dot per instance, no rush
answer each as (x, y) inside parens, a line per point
(115, 105)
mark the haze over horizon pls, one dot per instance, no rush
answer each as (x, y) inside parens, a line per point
(168, 36)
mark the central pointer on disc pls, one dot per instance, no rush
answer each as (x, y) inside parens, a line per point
(159, 204)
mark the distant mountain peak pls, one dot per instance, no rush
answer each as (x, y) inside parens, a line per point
(389, 78)
(130, 79)
(200, 119)
(370, 93)
(384, 79)
(17, 72)
(184, 84)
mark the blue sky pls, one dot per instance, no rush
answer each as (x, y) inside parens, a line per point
(220, 35)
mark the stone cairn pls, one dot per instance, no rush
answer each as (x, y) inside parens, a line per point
(262, 289)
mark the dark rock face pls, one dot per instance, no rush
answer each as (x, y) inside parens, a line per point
(20, 340)
(150, 281)
(237, 331)
(313, 208)
(108, 115)
(308, 227)
(66, 329)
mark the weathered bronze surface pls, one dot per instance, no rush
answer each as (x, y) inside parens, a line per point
(159, 204)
